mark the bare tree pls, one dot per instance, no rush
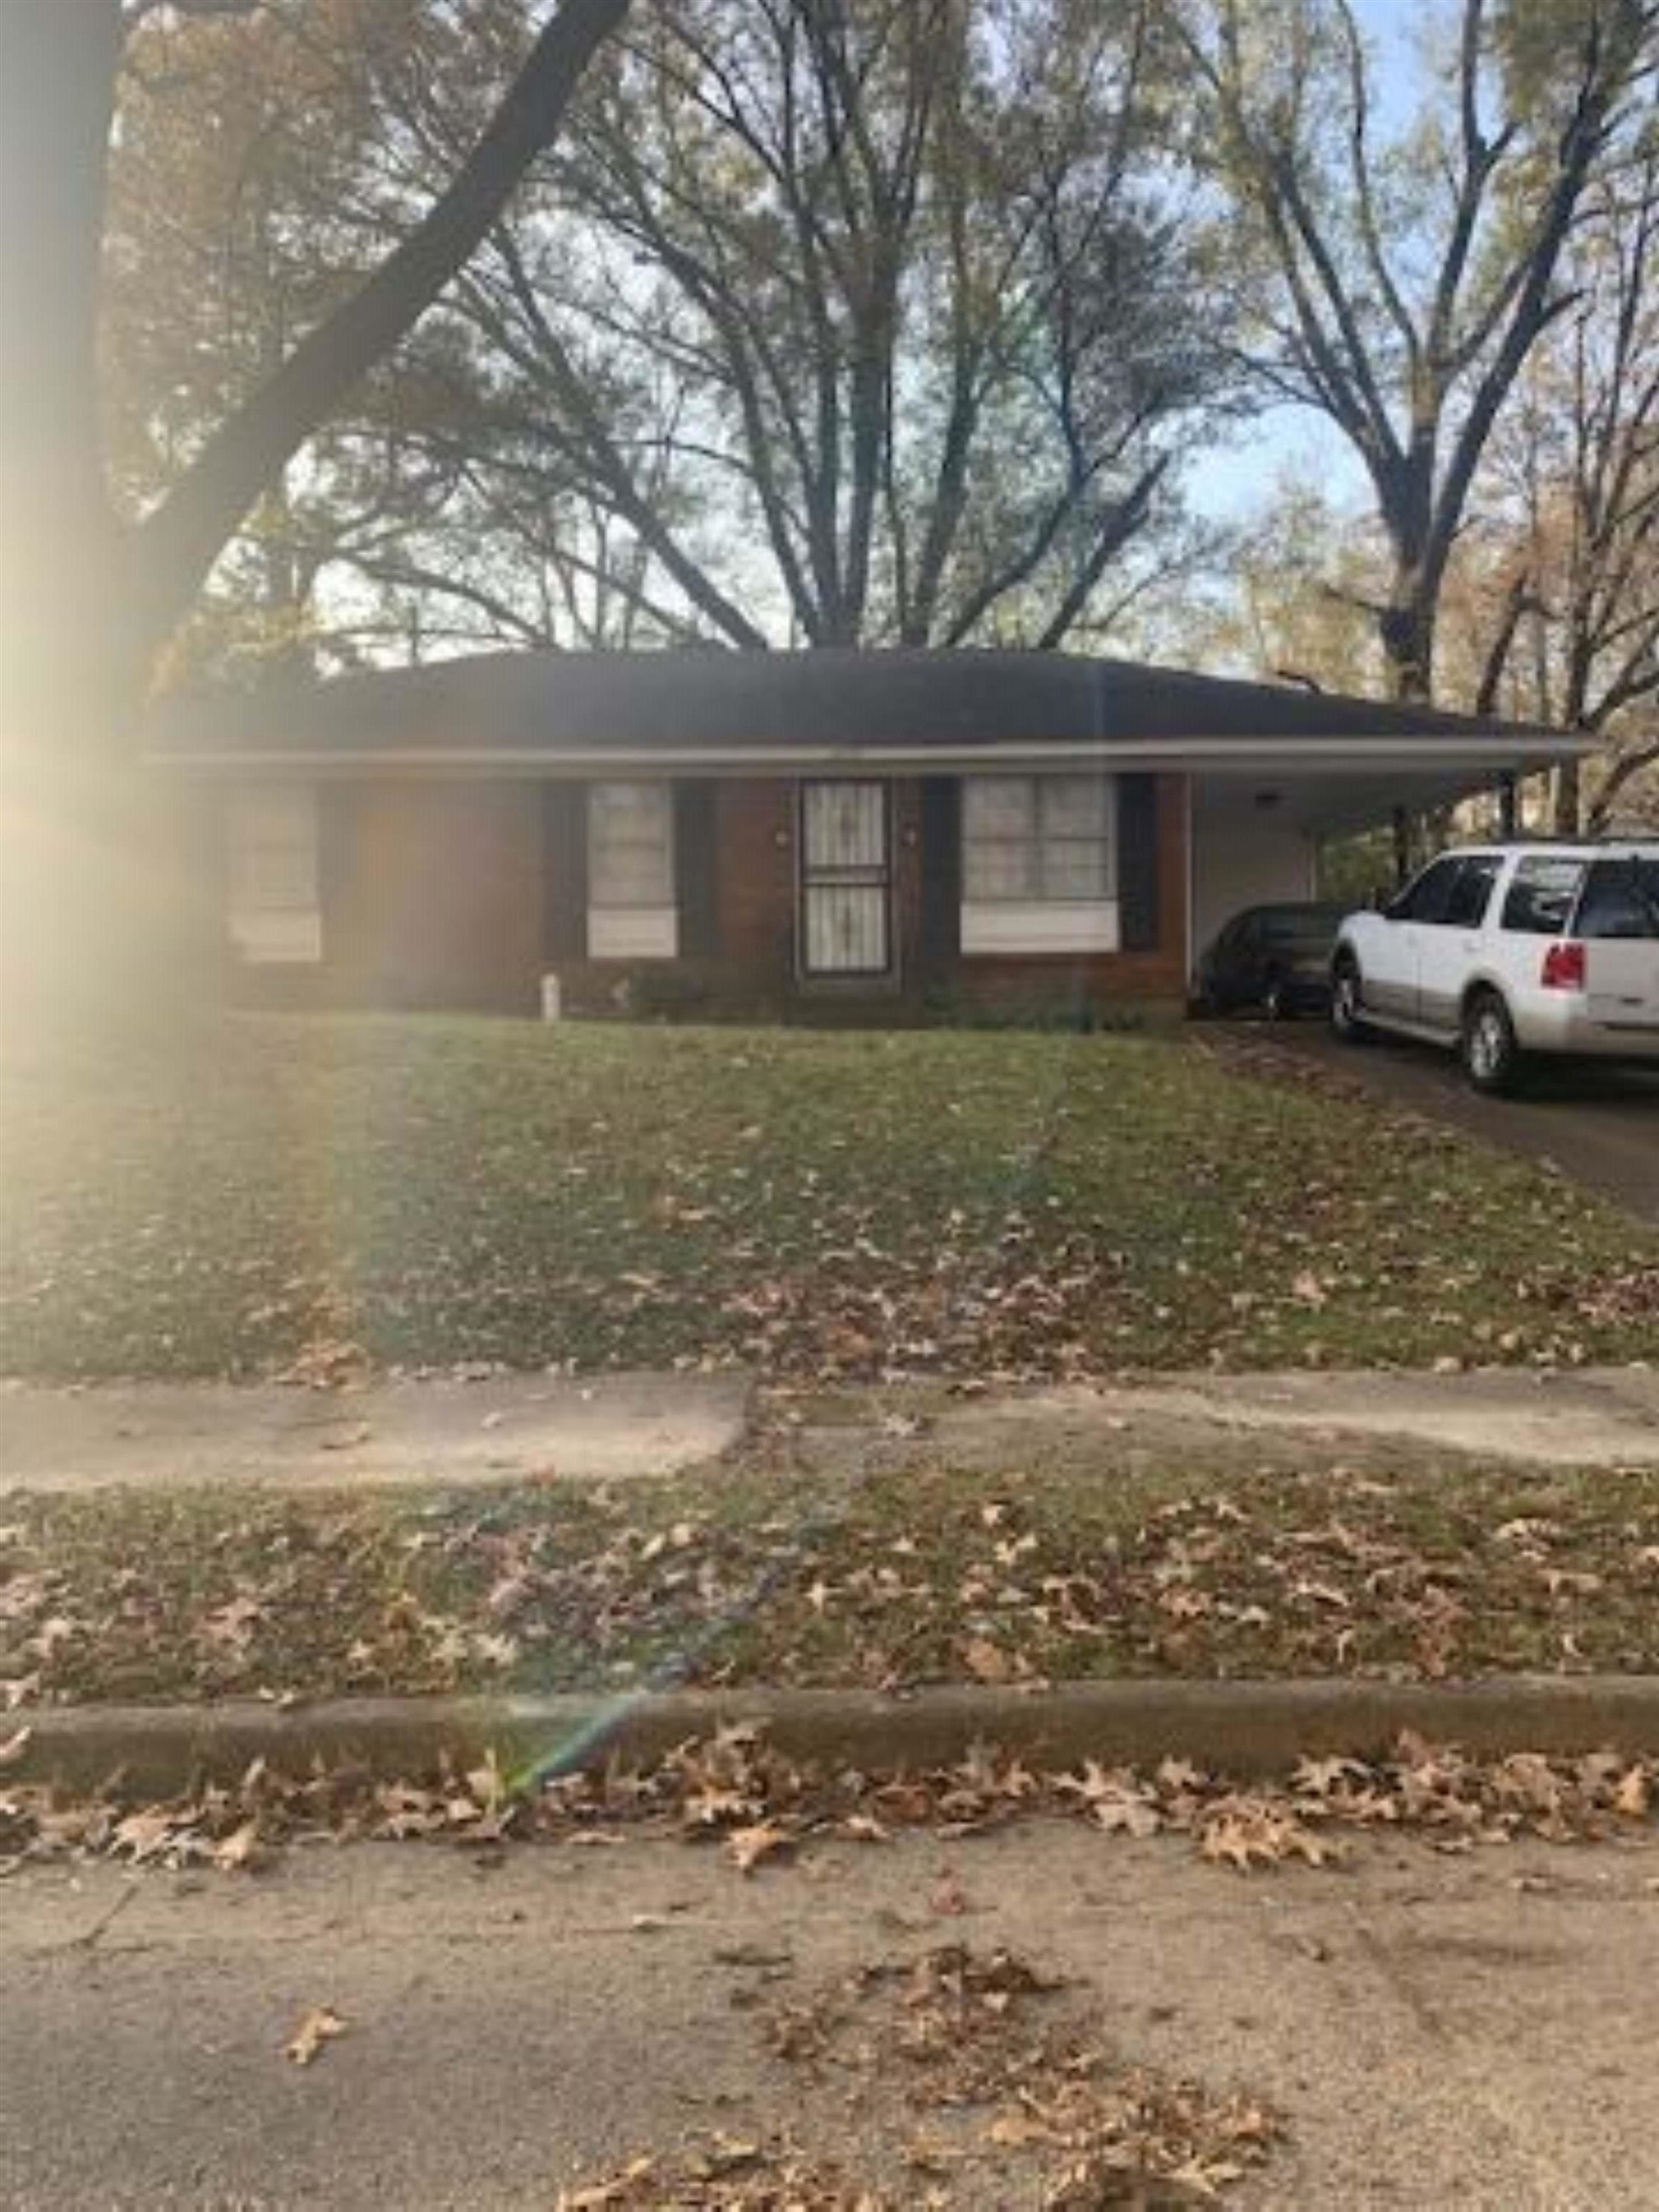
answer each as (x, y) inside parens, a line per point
(864, 320)
(1409, 278)
(1571, 500)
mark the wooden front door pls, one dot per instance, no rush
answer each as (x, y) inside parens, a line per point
(846, 880)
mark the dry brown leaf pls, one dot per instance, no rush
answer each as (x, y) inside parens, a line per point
(749, 1846)
(1633, 1796)
(863, 1828)
(320, 2026)
(239, 1849)
(604, 2193)
(985, 1661)
(1247, 1835)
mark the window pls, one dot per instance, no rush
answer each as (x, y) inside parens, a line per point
(1427, 898)
(631, 905)
(271, 870)
(1038, 869)
(1621, 899)
(1035, 837)
(1543, 894)
(1471, 893)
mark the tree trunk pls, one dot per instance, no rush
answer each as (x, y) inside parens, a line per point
(100, 891)
(1568, 799)
(1407, 628)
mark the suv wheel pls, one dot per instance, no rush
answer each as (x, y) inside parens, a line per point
(1346, 1017)
(1491, 1057)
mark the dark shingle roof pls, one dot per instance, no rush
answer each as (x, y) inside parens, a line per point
(552, 702)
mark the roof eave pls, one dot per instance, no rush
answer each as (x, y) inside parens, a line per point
(1523, 751)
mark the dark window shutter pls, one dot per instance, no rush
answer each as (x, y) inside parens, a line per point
(564, 867)
(941, 868)
(1138, 863)
(694, 860)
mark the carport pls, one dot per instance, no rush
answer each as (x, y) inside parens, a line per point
(1257, 823)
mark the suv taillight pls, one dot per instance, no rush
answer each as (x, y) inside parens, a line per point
(1564, 968)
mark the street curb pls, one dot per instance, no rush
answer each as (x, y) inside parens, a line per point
(1242, 1728)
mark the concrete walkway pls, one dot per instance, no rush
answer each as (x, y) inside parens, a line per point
(1595, 1417)
(522, 1428)
(623, 1426)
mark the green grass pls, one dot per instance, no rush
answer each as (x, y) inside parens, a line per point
(893, 1577)
(837, 1205)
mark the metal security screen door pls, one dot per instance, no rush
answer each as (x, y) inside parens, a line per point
(845, 879)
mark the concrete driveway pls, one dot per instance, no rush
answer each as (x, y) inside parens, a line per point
(1599, 1126)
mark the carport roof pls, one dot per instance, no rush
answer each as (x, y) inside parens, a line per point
(576, 712)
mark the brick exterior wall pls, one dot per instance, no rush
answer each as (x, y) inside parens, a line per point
(437, 895)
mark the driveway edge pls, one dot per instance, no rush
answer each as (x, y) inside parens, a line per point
(1242, 1728)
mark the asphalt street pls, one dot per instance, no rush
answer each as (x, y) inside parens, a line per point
(1479, 2031)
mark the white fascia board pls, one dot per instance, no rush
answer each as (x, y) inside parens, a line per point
(1267, 756)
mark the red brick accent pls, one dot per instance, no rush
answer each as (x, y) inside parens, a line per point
(435, 897)
(756, 830)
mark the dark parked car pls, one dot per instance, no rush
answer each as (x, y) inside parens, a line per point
(1277, 959)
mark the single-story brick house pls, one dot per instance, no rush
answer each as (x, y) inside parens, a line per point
(782, 833)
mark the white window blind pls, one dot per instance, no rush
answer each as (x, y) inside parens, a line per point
(631, 898)
(1039, 864)
(272, 872)
(1037, 838)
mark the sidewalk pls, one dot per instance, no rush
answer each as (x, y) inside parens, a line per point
(510, 1428)
(1591, 1417)
(622, 1427)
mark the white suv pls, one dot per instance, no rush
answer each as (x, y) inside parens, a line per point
(1500, 951)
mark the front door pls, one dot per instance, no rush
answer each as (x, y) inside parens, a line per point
(846, 880)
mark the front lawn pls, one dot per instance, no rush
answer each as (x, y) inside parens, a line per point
(884, 1578)
(436, 1191)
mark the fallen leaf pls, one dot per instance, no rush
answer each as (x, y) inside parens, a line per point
(604, 2193)
(239, 1849)
(14, 1746)
(320, 2026)
(1633, 1796)
(748, 1846)
(862, 1828)
(985, 1661)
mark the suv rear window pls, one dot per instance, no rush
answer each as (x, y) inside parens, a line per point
(1621, 899)
(1543, 894)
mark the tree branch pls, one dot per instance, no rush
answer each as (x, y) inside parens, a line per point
(175, 548)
